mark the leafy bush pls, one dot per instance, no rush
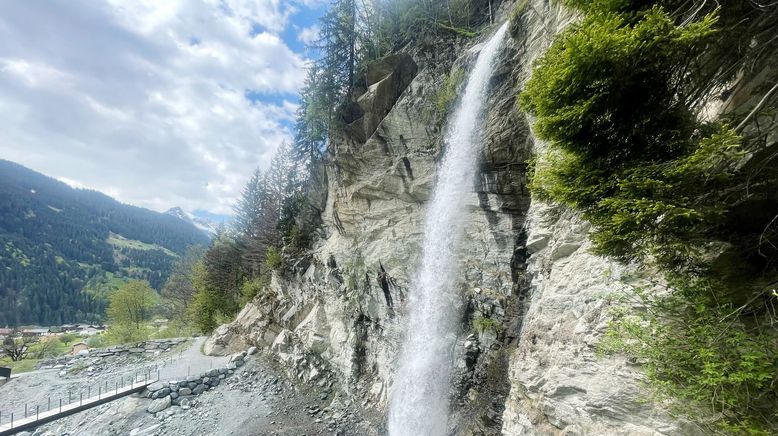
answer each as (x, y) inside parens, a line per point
(617, 97)
(98, 341)
(273, 259)
(482, 324)
(209, 305)
(702, 352)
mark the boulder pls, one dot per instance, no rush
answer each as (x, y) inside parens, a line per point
(156, 386)
(184, 391)
(199, 389)
(251, 350)
(159, 405)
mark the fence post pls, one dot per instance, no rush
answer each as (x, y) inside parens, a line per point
(80, 398)
(60, 405)
(25, 410)
(99, 391)
(49, 406)
(12, 420)
(37, 415)
(116, 385)
(89, 391)
(70, 398)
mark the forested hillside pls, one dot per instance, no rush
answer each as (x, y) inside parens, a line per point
(63, 249)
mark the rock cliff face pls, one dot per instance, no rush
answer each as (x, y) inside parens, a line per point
(533, 294)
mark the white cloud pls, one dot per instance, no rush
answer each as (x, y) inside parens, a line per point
(147, 99)
(309, 35)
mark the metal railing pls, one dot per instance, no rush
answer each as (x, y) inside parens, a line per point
(144, 375)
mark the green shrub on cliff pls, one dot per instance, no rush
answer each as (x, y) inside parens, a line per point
(616, 98)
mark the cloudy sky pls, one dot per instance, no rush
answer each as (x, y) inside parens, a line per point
(158, 103)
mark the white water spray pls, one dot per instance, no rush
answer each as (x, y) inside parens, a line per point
(419, 404)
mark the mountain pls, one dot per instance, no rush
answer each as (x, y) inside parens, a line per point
(63, 249)
(209, 224)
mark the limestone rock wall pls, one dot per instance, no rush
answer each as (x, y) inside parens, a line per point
(532, 306)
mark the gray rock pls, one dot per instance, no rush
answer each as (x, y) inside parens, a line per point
(159, 405)
(155, 386)
(199, 389)
(251, 350)
(184, 391)
(174, 395)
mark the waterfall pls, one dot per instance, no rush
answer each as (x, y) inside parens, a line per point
(419, 402)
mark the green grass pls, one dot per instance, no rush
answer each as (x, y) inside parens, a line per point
(122, 242)
(24, 365)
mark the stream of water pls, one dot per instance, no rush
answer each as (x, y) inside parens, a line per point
(419, 402)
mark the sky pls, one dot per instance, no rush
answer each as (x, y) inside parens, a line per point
(155, 103)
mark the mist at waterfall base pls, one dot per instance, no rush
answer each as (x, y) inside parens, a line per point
(419, 402)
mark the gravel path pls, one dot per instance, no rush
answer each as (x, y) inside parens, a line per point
(45, 388)
(256, 400)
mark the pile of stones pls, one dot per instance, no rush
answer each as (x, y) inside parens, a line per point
(180, 392)
(99, 359)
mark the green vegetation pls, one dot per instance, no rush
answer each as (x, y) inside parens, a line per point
(482, 324)
(129, 310)
(617, 97)
(19, 366)
(447, 94)
(56, 263)
(122, 242)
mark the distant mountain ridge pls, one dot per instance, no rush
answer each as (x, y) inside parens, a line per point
(63, 249)
(210, 227)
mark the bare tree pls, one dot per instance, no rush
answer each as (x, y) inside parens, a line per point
(17, 347)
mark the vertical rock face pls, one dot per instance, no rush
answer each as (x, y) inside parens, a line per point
(343, 312)
(532, 292)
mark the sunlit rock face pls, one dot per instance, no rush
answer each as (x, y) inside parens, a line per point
(530, 290)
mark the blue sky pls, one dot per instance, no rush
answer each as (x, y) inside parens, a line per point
(156, 103)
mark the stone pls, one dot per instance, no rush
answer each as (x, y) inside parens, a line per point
(159, 405)
(146, 431)
(174, 395)
(184, 391)
(155, 386)
(199, 389)
(251, 351)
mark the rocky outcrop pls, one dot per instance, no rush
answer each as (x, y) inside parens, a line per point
(526, 361)
(341, 316)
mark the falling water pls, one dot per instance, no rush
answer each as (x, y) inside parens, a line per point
(419, 404)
